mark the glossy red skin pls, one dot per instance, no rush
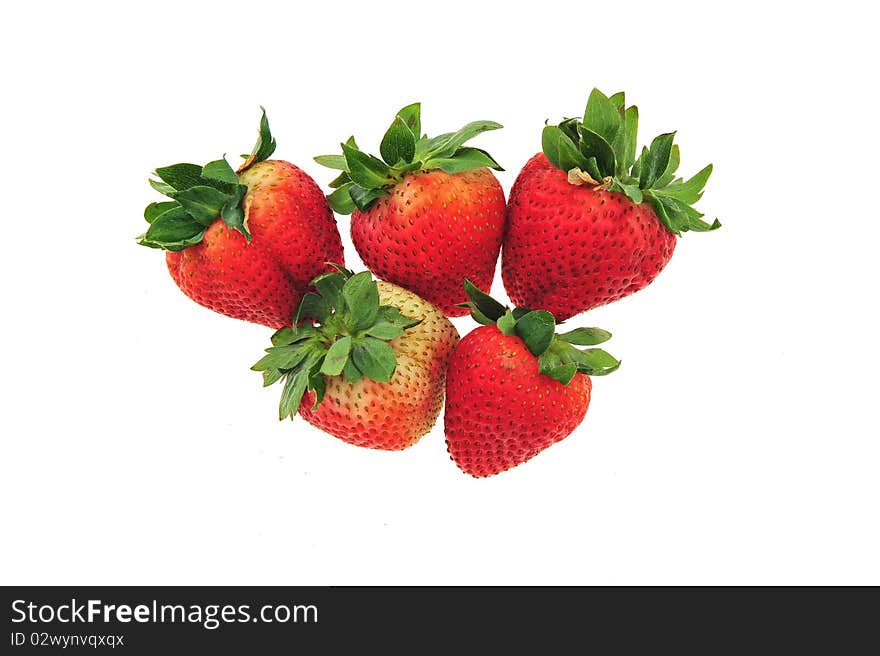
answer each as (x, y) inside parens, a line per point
(571, 248)
(500, 411)
(293, 235)
(432, 231)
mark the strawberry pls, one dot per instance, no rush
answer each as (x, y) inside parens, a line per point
(514, 387)
(428, 216)
(588, 223)
(246, 243)
(371, 368)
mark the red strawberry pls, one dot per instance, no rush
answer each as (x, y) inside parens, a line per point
(514, 387)
(428, 216)
(372, 370)
(246, 243)
(588, 223)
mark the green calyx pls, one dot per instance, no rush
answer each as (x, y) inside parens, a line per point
(199, 194)
(557, 354)
(340, 330)
(364, 178)
(600, 150)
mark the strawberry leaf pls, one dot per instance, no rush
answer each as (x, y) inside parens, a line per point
(341, 201)
(591, 167)
(163, 188)
(271, 376)
(219, 171)
(173, 227)
(636, 170)
(596, 362)
(181, 176)
(314, 307)
(679, 216)
(561, 150)
(351, 372)
(365, 170)
(548, 361)
(412, 118)
(556, 355)
(594, 145)
(478, 316)
(487, 306)
(507, 323)
(203, 203)
(398, 144)
(295, 384)
(361, 295)
(384, 330)
(205, 193)
(604, 144)
(339, 331)
(585, 336)
(340, 180)
(630, 136)
(465, 159)
(631, 191)
(602, 117)
(658, 159)
(283, 357)
(337, 356)
(265, 145)
(569, 128)
(671, 168)
(446, 145)
(375, 359)
(232, 212)
(536, 330)
(561, 372)
(333, 162)
(688, 192)
(404, 151)
(318, 384)
(155, 210)
(696, 224)
(329, 286)
(363, 198)
(389, 314)
(284, 336)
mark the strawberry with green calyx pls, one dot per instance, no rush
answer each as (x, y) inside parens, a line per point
(427, 215)
(514, 387)
(588, 221)
(243, 243)
(365, 362)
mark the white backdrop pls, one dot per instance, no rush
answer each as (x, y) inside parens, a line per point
(738, 443)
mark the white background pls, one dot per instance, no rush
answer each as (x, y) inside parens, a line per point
(737, 444)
